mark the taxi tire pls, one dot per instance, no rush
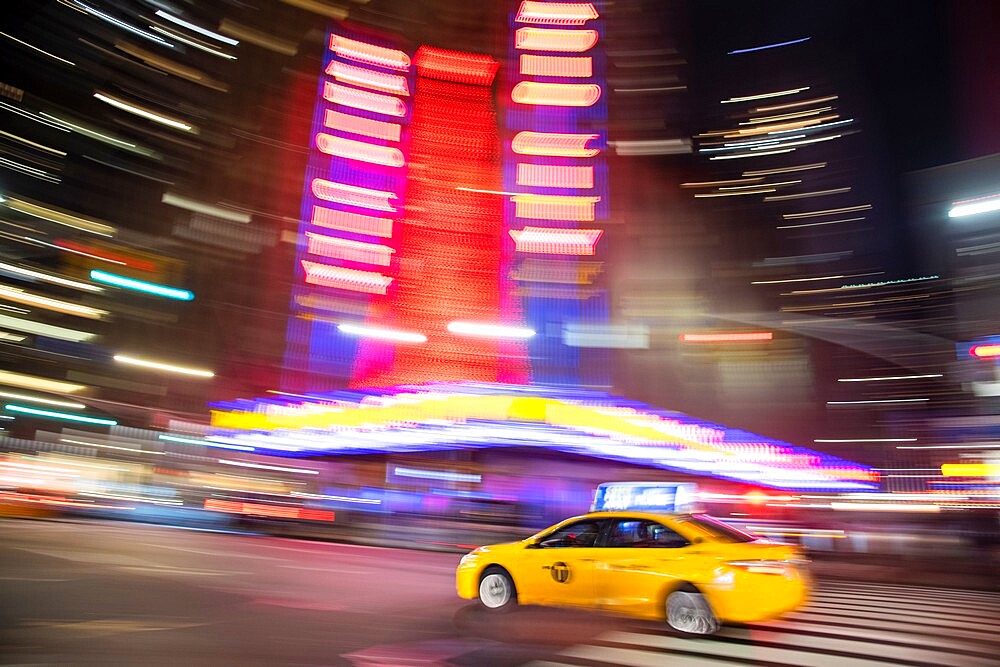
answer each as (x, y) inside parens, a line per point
(495, 575)
(689, 612)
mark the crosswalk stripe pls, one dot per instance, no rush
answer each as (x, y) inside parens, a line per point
(627, 657)
(754, 652)
(914, 599)
(951, 593)
(892, 615)
(861, 647)
(892, 625)
(880, 636)
(852, 625)
(925, 611)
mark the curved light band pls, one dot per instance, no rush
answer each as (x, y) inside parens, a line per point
(352, 251)
(550, 144)
(359, 150)
(546, 39)
(351, 222)
(366, 78)
(376, 129)
(556, 94)
(556, 241)
(369, 282)
(556, 13)
(369, 54)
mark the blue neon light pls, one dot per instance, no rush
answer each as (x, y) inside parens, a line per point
(141, 286)
(60, 415)
(769, 46)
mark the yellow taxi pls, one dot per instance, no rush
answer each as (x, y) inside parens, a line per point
(692, 570)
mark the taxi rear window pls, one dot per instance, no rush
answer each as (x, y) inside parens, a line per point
(719, 530)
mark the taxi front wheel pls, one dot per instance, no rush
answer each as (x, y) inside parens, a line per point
(496, 590)
(688, 611)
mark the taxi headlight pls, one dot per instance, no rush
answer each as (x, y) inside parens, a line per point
(763, 566)
(468, 558)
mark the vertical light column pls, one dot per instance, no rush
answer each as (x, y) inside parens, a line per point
(353, 197)
(451, 264)
(554, 162)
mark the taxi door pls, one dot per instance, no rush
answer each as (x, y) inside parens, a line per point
(559, 570)
(640, 557)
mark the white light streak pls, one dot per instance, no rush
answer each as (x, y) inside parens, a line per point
(986, 205)
(887, 400)
(18, 271)
(869, 440)
(170, 368)
(144, 113)
(883, 378)
(44, 401)
(382, 334)
(742, 155)
(190, 42)
(489, 330)
(261, 466)
(779, 93)
(820, 224)
(197, 28)
(42, 51)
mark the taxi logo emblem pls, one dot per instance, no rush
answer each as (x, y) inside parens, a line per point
(560, 572)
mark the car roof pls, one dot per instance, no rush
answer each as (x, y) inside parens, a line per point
(632, 514)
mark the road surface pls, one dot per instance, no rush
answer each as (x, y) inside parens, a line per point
(102, 593)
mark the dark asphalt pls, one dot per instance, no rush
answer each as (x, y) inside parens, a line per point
(79, 592)
(105, 593)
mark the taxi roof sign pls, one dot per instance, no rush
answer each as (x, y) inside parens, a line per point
(673, 497)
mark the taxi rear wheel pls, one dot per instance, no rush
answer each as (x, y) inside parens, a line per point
(496, 590)
(688, 611)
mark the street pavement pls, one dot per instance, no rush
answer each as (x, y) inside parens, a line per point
(104, 593)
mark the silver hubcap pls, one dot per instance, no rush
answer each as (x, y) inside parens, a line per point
(494, 590)
(689, 612)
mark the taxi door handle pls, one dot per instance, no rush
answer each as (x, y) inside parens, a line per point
(636, 567)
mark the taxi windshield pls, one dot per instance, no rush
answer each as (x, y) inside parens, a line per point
(718, 530)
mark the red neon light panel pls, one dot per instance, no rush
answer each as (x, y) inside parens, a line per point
(556, 13)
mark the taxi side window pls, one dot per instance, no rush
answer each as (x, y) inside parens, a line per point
(639, 533)
(578, 534)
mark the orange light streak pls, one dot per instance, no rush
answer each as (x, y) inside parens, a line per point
(727, 337)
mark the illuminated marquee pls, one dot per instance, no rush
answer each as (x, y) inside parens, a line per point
(557, 177)
(354, 189)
